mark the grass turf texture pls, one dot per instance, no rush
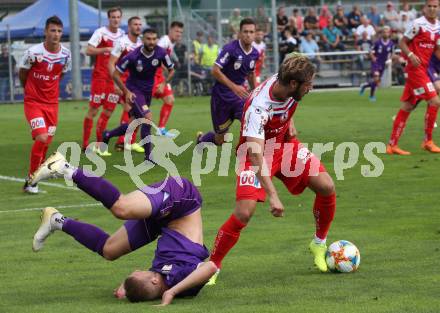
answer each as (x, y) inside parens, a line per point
(392, 219)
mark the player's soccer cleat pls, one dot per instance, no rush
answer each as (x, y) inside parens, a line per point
(319, 250)
(45, 228)
(361, 91)
(137, 148)
(213, 279)
(103, 153)
(119, 147)
(30, 188)
(396, 150)
(198, 137)
(372, 99)
(53, 167)
(430, 146)
(162, 131)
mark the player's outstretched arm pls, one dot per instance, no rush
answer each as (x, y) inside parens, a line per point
(199, 277)
(91, 50)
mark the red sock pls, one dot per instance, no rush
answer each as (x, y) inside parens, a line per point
(324, 211)
(133, 136)
(101, 125)
(87, 130)
(165, 114)
(226, 238)
(398, 126)
(37, 155)
(124, 119)
(430, 118)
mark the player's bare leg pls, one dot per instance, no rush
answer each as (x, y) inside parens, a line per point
(324, 210)
(430, 119)
(398, 128)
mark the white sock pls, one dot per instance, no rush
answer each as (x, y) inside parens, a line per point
(57, 221)
(68, 171)
(320, 241)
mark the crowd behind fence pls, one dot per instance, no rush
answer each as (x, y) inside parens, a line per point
(337, 38)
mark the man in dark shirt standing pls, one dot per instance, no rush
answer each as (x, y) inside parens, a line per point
(4, 73)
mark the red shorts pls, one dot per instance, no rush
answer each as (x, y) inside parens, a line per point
(103, 93)
(293, 164)
(41, 119)
(418, 87)
(167, 91)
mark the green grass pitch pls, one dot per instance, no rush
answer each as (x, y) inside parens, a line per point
(393, 219)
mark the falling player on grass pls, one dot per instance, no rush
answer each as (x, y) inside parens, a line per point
(40, 71)
(267, 140)
(381, 55)
(170, 209)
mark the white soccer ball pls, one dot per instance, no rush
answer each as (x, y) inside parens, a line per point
(343, 256)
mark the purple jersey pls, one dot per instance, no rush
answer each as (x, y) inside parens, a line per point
(142, 68)
(382, 51)
(176, 256)
(236, 64)
(434, 68)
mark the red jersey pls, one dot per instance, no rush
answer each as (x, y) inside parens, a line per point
(45, 71)
(424, 37)
(103, 38)
(164, 42)
(261, 48)
(122, 47)
(264, 117)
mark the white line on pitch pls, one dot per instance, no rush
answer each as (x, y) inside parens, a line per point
(56, 207)
(21, 180)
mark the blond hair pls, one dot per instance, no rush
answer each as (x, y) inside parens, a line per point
(296, 67)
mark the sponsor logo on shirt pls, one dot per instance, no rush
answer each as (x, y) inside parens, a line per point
(139, 66)
(166, 269)
(155, 62)
(238, 62)
(252, 64)
(304, 155)
(249, 178)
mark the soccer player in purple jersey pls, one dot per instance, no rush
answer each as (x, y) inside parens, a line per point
(235, 63)
(381, 54)
(142, 64)
(166, 209)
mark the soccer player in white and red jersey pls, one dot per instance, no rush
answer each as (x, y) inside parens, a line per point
(124, 45)
(40, 72)
(162, 90)
(269, 147)
(102, 90)
(418, 45)
(260, 45)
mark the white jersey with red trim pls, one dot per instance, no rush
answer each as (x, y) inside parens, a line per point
(265, 117)
(103, 38)
(124, 45)
(45, 71)
(261, 48)
(164, 42)
(423, 36)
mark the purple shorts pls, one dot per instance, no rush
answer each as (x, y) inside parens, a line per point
(141, 105)
(172, 202)
(377, 69)
(434, 74)
(225, 108)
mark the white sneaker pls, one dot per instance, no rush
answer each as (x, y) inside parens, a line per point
(30, 188)
(53, 167)
(45, 228)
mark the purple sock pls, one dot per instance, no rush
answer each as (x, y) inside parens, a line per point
(145, 132)
(115, 132)
(208, 137)
(96, 187)
(88, 235)
(373, 88)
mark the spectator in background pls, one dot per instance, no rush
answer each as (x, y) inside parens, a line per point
(209, 53)
(289, 45)
(311, 20)
(310, 47)
(234, 22)
(403, 25)
(291, 27)
(365, 27)
(181, 53)
(363, 44)
(262, 21)
(374, 17)
(212, 20)
(324, 17)
(4, 73)
(297, 20)
(408, 11)
(197, 46)
(281, 19)
(331, 37)
(391, 17)
(354, 18)
(341, 21)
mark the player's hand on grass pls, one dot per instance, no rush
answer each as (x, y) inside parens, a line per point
(276, 207)
(415, 60)
(167, 298)
(119, 292)
(240, 91)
